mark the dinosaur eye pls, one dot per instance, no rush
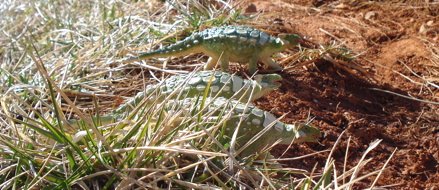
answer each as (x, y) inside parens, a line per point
(258, 77)
(278, 41)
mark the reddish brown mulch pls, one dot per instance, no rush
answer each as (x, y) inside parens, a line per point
(393, 39)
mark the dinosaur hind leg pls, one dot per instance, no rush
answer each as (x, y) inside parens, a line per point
(224, 61)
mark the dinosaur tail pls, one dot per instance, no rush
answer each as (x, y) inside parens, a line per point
(134, 102)
(187, 46)
(103, 120)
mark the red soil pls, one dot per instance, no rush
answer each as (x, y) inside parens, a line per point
(395, 41)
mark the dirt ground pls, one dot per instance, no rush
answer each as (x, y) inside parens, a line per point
(395, 43)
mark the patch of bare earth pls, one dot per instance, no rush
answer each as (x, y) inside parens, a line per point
(396, 43)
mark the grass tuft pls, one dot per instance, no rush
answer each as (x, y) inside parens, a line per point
(56, 66)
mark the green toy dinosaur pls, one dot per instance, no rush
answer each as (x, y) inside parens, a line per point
(257, 129)
(228, 43)
(222, 84)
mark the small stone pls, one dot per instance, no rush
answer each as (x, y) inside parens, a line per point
(423, 29)
(341, 6)
(370, 14)
(251, 8)
(79, 136)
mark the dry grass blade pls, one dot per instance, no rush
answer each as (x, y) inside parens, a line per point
(381, 171)
(407, 97)
(195, 185)
(166, 149)
(372, 145)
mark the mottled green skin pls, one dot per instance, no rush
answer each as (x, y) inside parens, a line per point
(222, 84)
(254, 121)
(259, 128)
(228, 44)
(191, 85)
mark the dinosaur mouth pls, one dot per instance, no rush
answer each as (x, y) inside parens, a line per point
(270, 80)
(277, 82)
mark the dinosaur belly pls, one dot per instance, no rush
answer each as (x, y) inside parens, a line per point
(233, 51)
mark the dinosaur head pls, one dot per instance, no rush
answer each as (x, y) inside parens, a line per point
(290, 40)
(265, 83)
(302, 133)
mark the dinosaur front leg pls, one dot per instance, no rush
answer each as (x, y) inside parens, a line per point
(252, 65)
(268, 61)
